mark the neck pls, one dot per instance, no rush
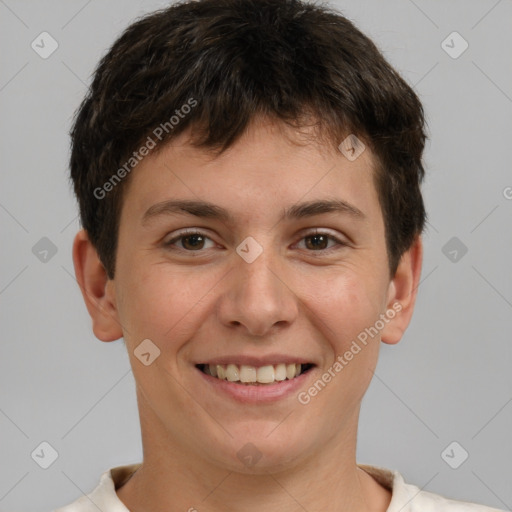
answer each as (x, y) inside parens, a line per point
(173, 479)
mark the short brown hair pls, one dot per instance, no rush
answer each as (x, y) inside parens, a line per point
(238, 59)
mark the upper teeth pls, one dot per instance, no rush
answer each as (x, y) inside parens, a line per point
(245, 373)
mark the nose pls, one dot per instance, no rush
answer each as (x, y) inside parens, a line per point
(258, 297)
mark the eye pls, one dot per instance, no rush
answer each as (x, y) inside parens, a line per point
(319, 239)
(191, 241)
(194, 241)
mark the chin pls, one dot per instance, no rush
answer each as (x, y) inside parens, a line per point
(261, 452)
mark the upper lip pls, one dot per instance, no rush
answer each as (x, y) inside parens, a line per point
(247, 360)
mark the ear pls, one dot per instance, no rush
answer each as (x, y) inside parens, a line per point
(97, 289)
(402, 292)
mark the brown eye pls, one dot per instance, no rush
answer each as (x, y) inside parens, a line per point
(193, 241)
(318, 242)
(189, 241)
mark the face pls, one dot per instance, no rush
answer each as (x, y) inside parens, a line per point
(261, 281)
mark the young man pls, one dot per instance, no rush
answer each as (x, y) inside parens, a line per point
(248, 174)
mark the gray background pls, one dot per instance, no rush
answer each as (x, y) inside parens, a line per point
(449, 379)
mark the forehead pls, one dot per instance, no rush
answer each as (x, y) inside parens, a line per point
(267, 171)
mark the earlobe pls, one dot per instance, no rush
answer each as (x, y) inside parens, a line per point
(402, 293)
(97, 290)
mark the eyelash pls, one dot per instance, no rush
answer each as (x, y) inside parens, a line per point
(185, 234)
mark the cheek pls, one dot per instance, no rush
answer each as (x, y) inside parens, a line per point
(346, 321)
(161, 303)
(345, 304)
(343, 314)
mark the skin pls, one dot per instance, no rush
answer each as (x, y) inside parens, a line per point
(295, 299)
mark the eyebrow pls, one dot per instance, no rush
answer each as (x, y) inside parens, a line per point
(204, 209)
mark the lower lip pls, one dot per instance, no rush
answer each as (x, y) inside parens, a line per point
(263, 393)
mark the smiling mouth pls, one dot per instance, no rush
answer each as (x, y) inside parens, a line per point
(253, 375)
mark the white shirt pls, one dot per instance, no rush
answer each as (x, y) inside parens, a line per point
(405, 497)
